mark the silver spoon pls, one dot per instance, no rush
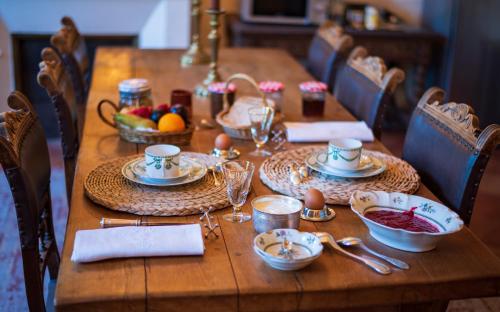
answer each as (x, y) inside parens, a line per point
(206, 124)
(373, 264)
(286, 248)
(354, 241)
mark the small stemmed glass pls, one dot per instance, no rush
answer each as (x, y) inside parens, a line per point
(238, 177)
(261, 119)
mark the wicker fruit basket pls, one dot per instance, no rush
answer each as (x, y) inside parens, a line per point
(241, 132)
(147, 137)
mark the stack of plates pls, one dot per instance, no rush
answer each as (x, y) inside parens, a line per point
(190, 171)
(306, 248)
(368, 166)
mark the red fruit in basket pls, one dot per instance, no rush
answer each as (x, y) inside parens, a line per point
(165, 108)
(143, 111)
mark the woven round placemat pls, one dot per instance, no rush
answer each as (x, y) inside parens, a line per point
(106, 186)
(398, 177)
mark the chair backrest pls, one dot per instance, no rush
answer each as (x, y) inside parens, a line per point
(51, 78)
(328, 49)
(449, 151)
(72, 48)
(24, 157)
(364, 86)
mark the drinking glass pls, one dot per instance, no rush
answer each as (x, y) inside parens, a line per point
(261, 119)
(238, 177)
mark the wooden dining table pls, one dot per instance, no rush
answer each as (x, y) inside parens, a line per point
(230, 276)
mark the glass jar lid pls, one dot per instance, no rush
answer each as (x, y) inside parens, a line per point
(313, 86)
(134, 85)
(271, 86)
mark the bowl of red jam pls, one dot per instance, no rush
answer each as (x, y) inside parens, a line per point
(405, 222)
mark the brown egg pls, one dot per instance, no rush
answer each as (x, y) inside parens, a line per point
(314, 199)
(223, 141)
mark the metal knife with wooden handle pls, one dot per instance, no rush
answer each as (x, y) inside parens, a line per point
(109, 222)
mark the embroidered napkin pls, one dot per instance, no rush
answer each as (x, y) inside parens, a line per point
(324, 131)
(137, 241)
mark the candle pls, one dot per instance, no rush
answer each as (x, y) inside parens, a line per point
(215, 5)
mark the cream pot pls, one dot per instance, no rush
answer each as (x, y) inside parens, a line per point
(275, 212)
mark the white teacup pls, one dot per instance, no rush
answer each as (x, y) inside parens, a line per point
(343, 153)
(162, 161)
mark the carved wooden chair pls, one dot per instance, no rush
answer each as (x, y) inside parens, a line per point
(328, 49)
(24, 157)
(71, 46)
(51, 78)
(449, 151)
(364, 86)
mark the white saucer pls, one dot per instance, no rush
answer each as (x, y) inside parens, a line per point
(138, 167)
(365, 163)
(377, 168)
(197, 170)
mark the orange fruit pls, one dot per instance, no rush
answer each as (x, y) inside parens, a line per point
(171, 122)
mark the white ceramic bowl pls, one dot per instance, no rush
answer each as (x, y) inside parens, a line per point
(306, 248)
(435, 213)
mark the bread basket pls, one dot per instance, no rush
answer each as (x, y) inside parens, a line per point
(241, 132)
(147, 137)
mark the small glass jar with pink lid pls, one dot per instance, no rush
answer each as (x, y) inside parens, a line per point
(313, 98)
(217, 90)
(274, 91)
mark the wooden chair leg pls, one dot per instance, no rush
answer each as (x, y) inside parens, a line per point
(32, 280)
(53, 263)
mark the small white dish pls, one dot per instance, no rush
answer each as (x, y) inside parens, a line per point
(139, 169)
(377, 168)
(196, 172)
(306, 248)
(437, 214)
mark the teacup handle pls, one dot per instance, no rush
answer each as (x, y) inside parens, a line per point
(101, 114)
(321, 154)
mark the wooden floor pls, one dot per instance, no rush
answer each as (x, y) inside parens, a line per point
(485, 223)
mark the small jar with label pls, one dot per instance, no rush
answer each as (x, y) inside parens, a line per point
(274, 91)
(135, 93)
(217, 90)
(313, 98)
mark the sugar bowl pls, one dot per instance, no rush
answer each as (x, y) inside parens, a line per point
(275, 212)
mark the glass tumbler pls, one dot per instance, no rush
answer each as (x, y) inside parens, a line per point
(261, 119)
(238, 178)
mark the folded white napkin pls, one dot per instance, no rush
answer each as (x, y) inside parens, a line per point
(324, 131)
(137, 241)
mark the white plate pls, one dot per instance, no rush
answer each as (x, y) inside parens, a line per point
(433, 212)
(377, 168)
(138, 167)
(196, 172)
(365, 163)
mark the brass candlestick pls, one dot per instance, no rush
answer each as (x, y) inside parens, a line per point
(195, 55)
(213, 37)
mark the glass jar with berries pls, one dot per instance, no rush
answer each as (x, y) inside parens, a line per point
(217, 90)
(274, 91)
(313, 98)
(136, 93)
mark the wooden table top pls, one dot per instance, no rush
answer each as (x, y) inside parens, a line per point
(230, 276)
